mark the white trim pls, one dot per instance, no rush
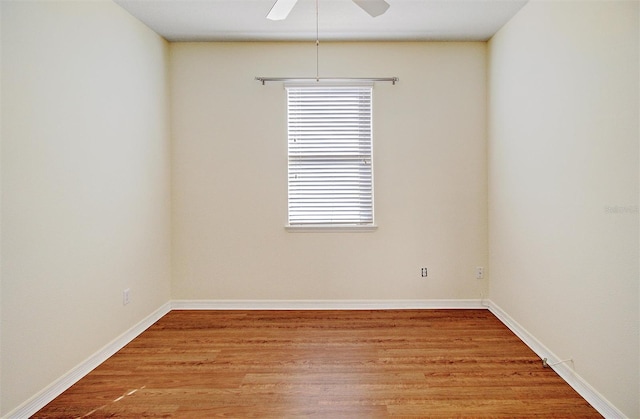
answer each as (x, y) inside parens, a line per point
(331, 228)
(324, 304)
(329, 81)
(44, 397)
(591, 395)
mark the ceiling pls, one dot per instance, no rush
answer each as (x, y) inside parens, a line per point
(339, 20)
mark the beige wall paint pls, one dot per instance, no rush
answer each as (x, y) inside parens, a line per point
(85, 185)
(563, 182)
(230, 185)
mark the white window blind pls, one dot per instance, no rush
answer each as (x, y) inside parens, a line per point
(330, 155)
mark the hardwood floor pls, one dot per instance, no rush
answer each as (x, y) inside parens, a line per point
(330, 364)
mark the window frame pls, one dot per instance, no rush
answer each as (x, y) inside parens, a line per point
(328, 226)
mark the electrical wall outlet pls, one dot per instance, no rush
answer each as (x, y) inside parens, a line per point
(423, 272)
(126, 297)
(479, 272)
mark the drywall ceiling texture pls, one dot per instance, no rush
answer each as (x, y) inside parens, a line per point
(85, 185)
(229, 174)
(563, 176)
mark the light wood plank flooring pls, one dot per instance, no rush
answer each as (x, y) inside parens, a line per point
(329, 364)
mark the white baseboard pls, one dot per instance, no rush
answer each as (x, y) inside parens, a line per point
(52, 391)
(601, 404)
(324, 304)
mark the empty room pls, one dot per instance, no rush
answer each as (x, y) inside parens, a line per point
(331, 208)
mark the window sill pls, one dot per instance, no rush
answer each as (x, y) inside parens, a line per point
(331, 228)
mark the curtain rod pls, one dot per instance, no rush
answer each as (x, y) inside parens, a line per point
(264, 80)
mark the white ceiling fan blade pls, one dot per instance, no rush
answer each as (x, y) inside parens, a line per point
(373, 7)
(280, 9)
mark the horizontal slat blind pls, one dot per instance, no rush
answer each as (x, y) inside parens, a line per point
(330, 155)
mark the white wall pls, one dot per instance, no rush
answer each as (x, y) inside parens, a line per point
(85, 185)
(230, 174)
(563, 185)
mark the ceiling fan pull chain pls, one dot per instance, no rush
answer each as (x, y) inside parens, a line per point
(317, 43)
(279, 13)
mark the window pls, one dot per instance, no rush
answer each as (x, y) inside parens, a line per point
(330, 156)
